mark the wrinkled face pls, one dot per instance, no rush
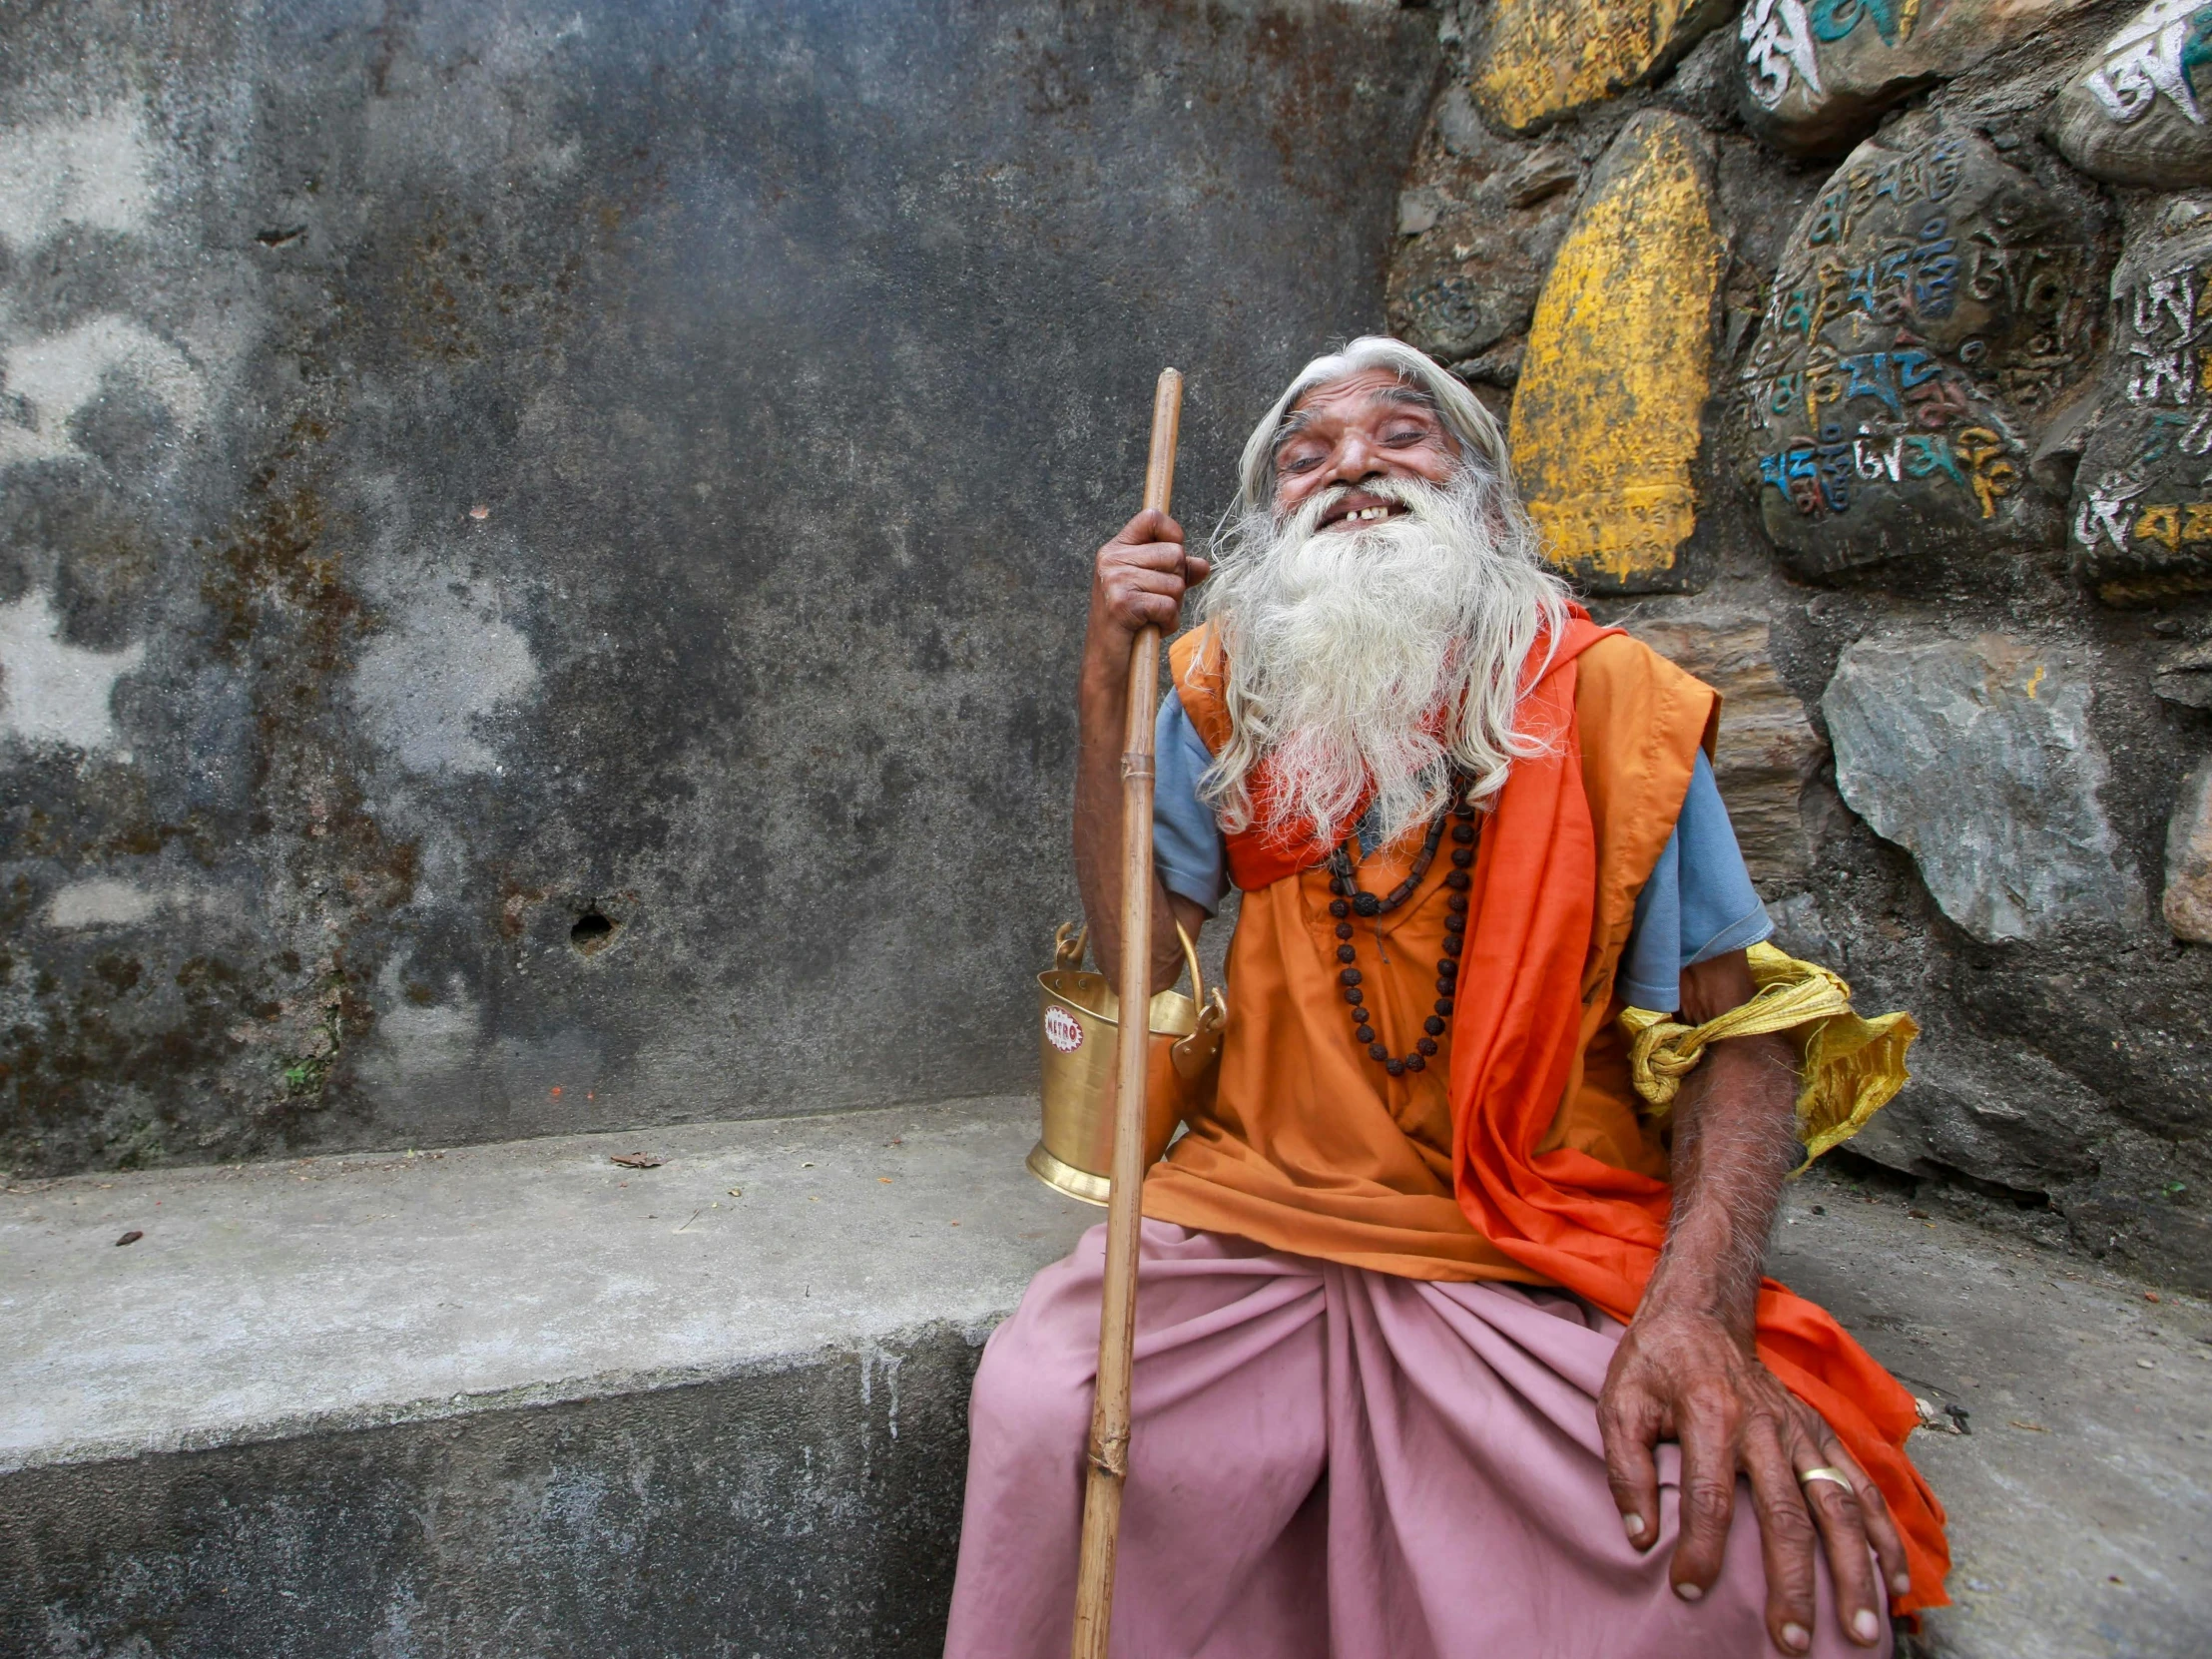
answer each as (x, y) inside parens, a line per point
(1366, 425)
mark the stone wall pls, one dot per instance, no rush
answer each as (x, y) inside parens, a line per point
(542, 545)
(1855, 355)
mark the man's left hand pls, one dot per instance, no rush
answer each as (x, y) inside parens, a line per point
(1684, 1376)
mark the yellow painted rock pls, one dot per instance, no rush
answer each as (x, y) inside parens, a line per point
(1605, 421)
(1544, 58)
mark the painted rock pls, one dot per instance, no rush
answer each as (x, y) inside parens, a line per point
(1767, 745)
(2134, 115)
(1544, 58)
(1816, 74)
(2143, 500)
(1931, 310)
(2189, 859)
(1606, 410)
(1977, 758)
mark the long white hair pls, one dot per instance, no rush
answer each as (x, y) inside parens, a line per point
(1385, 658)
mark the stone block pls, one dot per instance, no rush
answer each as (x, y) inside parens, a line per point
(1498, 366)
(1767, 745)
(1549, 171)
(1990, 1107)
(492, 1404)
(1458, 125)
(512, 1399)
(1468, 276)
(1545, 58)
(2132, 114)
(1417, 210)
(1606, 411)
(2184, 674)
(2141, 526)
(1977, 756)
(2189, 859)
(1930, 309)
(1815, 74)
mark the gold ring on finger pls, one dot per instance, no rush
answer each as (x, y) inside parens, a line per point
(1825, 1473)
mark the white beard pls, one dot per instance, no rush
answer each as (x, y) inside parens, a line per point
(1377, 658)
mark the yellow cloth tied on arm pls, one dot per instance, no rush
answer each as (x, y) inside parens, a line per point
(1851, 1067)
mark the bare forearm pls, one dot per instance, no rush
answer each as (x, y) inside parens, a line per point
(1735, 1142)
(1688, 1368)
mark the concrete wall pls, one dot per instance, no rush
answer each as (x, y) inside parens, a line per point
(1964, 624)
(542, 545)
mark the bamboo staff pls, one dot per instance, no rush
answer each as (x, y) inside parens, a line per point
(1117, 1322)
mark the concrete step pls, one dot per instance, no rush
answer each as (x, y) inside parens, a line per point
(512, 1399)
(520, 1400)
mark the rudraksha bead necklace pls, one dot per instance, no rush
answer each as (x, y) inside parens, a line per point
(1350, 902)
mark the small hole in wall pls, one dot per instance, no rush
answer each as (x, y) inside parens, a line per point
(591, 932)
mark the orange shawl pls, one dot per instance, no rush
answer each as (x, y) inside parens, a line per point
(1517, 1030)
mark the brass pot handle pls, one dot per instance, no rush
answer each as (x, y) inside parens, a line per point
(1194, 1053)
(1071, 940)
(1190, 955)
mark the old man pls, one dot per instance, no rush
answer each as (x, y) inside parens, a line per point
(1443, 1347)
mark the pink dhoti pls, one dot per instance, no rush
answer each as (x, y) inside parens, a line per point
(1325, 1461)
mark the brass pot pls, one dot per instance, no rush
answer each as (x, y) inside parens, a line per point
(1076, 1042)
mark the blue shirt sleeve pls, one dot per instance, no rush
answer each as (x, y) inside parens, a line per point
(1188, 853)
(1698, 904)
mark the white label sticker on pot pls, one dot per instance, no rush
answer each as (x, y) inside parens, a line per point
(1063, 1030)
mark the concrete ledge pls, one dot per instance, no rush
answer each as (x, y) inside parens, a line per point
(272, 1299)
(767, 1514)
(518, 1399)
(512, 1399)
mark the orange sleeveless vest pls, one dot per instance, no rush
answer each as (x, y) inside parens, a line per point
(1309, 1145)
(1520, 1154)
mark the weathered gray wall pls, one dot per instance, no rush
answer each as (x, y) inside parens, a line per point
(1965, 737)
(470, 469)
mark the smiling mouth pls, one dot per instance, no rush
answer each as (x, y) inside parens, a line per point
(1356, 518)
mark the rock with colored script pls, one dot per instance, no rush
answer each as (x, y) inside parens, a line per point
(1544, 58)
(1605, 420)
(1930, 310)
(1818, 73)
(2142, 498)
(1977, 758)
(2134, 113)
